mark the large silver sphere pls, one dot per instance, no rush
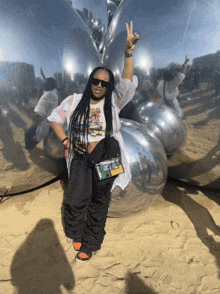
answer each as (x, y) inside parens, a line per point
(128, 110)
(148, 163)
(34, 35)
(190, 28)
(53, 147)
(115, 40)
(187, 27)
(164, 123)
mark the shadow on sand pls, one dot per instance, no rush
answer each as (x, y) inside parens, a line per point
(199, 215)
(40, 264)
(134, 285)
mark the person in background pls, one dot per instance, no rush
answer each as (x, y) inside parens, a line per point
(168, 88)
(93, 136)
(44, 107)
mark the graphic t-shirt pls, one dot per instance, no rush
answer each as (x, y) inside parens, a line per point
(97, 123)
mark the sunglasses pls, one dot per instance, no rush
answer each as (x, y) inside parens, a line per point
(104, 84)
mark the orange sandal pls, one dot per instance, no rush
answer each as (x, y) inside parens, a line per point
(77, 245)
(84, 256)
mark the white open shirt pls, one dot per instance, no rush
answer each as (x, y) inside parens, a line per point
(123, 93)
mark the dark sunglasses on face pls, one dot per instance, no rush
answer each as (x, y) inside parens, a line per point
(104, 84)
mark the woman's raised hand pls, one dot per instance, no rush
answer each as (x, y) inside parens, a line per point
(132, 38)
(186, 59)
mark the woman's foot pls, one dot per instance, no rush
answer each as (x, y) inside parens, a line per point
(77, 245)
(84, 256)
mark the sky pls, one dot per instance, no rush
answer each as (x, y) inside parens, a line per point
(175, 28)
(37, 33)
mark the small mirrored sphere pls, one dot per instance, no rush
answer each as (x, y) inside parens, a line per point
(148, 163)
(164, 123)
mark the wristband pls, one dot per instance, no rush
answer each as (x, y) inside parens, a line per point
(128, 55)
(66, 143)
(65, 139)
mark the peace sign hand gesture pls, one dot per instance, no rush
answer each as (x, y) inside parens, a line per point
(131, 38)
(186, 59)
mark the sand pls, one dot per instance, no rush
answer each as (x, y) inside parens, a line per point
(173, 247)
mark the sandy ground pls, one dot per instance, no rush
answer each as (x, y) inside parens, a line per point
(173, 247)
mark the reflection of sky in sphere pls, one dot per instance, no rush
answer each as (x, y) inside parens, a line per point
(145, 63)
(36, 35)
(175, 28)
(97, 7)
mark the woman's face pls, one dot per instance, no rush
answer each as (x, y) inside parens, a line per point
(98, 90)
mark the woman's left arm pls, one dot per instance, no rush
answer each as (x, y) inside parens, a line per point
(125, 89)
(129, 48)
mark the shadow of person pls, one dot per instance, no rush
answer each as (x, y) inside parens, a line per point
(53, 165)
(134, 285)
(40, 264)
(200, 217)
(12, 151)
(202, 102)
(190, 169)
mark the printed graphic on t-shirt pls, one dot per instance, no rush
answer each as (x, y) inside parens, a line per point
(95, 125)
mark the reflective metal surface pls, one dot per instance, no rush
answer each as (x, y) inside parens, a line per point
(67, 44)
(112, 7)
(148, 163)
(113, 49)
(191, 28)
(164, 123)
(172, 31)
(33, 35)
(95, 15)
(128, 110)
(53, 147)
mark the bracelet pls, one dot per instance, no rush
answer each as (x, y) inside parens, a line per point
(65, 139)
(128, 55)
(66, 143)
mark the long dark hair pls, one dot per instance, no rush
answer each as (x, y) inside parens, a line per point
(81, 113)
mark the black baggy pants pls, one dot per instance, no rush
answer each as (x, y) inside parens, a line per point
(87, 202)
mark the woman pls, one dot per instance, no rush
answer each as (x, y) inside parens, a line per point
(93, 121)
(168, 88)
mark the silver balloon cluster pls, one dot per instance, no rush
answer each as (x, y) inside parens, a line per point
(164, 122)
(96, 28)
(148, 163)
(144, 151)
(112, 6)
(68, 41)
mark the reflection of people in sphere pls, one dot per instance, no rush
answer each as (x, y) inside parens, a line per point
(44, 107)
(87, 202)
(168, 88)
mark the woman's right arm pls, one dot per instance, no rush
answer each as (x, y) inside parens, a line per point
(59, 116)
(184, 66)
(58, 130)
(179, 78)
